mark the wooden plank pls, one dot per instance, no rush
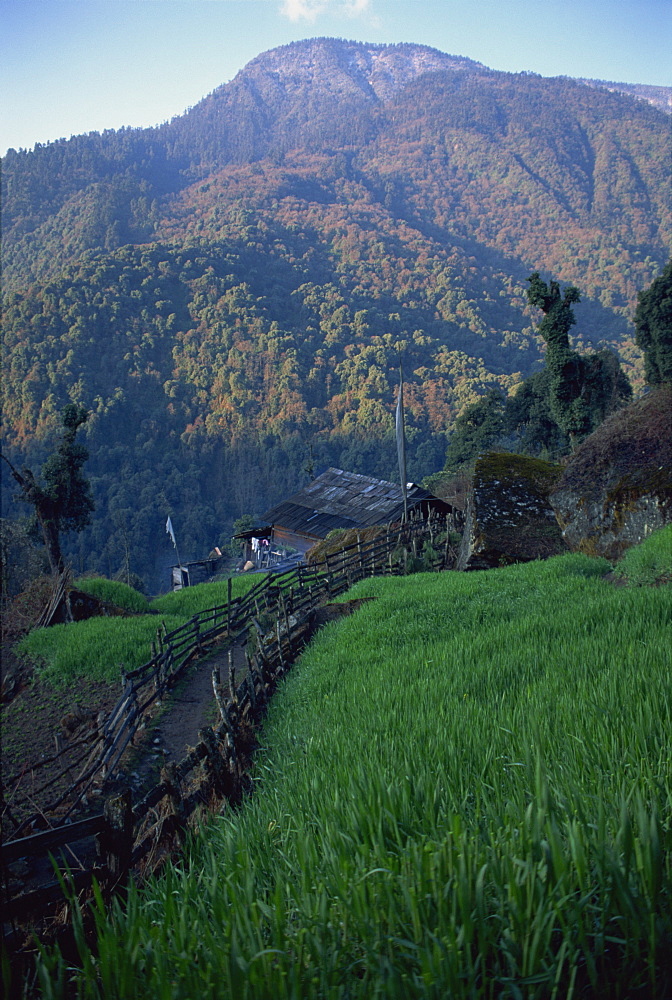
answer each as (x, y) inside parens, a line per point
(42, 843)
(37, 901)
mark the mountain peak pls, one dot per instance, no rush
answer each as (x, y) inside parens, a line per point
(377, 71)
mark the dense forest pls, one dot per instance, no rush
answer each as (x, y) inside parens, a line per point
(230, 294)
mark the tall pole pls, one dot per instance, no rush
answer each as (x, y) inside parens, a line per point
(170, 531)
(401, 440)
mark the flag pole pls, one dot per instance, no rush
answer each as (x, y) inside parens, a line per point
(169, 531)
(401, 439)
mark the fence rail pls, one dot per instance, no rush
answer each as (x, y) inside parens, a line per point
(277, 614)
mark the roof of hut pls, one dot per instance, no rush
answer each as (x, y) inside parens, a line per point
(339, 499)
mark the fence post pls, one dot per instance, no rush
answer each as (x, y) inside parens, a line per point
(232, 679)
(215, 763)
(251, 686)
(228, 605)
(283, 606)
(256, 676)
(217, 691)
(174, 795)
(279, 638)
(116, 841)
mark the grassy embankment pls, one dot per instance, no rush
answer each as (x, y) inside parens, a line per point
(464, 791)
(98, 647)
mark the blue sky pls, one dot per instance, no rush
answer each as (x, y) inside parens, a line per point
(71, 66)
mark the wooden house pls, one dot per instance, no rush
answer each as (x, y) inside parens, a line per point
(339, 499)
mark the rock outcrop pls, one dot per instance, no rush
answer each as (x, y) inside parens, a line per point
(617, 487)
(508, 517)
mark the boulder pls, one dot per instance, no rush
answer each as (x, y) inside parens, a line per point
(508, 517)
(617, 487)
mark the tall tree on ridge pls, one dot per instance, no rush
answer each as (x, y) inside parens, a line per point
(653, 323)
(583, 389)
(61, 495)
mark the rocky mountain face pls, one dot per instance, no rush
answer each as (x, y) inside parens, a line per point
(617, 487)
(508, 517)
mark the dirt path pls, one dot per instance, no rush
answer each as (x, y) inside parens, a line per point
(30, 720)
(191, 706)
(174, 728)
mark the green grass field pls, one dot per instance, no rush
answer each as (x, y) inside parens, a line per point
(649, 563)
(464, 790)
(113, 592)
(203, 596)
(98, 647)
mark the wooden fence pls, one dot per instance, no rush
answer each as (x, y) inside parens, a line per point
(276, 614)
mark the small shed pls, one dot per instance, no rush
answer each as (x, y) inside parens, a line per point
(199, 571)
(339, 499)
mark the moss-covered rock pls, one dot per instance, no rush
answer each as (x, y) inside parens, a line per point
(508, 517)
(617, 487)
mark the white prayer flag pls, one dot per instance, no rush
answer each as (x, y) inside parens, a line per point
(169, 531)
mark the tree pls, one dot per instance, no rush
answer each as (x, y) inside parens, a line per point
(60, 494)
(529, 418)
(564, 365)
(477, 429)
(582, 390)
(20, 559)
(653, 325)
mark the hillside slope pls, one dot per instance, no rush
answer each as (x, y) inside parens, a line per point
(463, 791)
(428, 134)
(228, 293)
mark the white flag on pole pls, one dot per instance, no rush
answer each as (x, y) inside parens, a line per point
(169, 531)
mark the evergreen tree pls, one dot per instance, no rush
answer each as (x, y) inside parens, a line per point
(529, 418)
(582, 390)
(653, 324)
(60, 494)
(477, 429)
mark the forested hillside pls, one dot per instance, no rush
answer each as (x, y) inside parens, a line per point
(229, 293)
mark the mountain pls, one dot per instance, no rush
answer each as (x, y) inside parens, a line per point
(659, 97)
(227, 293)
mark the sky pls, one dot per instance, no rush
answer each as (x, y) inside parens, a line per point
(73, 66)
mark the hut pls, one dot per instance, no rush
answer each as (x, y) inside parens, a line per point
(337, 499)
(198, 571)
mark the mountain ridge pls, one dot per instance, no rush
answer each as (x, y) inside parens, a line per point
(228, 293)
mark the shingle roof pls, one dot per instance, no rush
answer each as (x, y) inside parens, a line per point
(339, 499)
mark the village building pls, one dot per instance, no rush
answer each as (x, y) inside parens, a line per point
(336, 499)
(189, 574)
